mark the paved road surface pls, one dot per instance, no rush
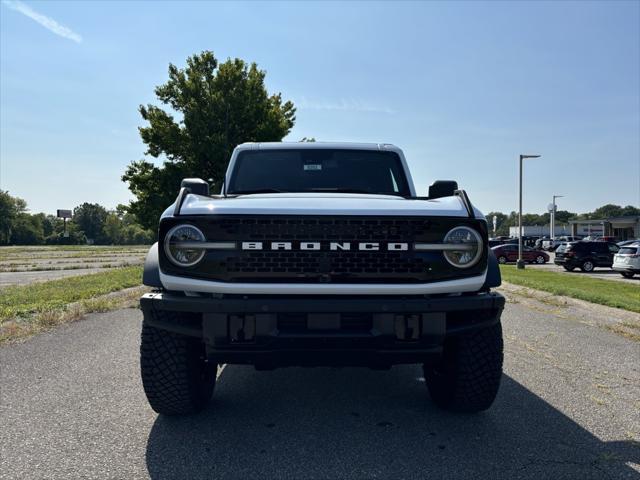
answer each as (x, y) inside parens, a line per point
(600, 272)
(73, 407)
(24, 278)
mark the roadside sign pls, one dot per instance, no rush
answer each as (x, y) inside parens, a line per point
(64, 214)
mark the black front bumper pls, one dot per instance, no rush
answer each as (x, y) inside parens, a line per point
(320, 330)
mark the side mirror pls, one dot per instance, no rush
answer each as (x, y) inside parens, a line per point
(195, 185)
(442, 188)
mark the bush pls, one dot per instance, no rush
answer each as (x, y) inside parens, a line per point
(74, 238)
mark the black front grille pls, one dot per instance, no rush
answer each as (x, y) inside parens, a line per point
(328, 262)
(321, 229)
(325, 265)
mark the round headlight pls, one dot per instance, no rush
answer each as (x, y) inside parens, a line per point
(177, 248)
(470, 247)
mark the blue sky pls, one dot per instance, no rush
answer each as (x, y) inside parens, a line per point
(462, 87)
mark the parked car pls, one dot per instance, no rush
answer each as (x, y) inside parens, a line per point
(627, 260)
(606, 239)
(509, 253)
(624, 243)
(538, 243)
(586, 255)
(527, 240)
(552, 244)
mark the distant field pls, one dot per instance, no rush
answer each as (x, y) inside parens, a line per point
(26, 265)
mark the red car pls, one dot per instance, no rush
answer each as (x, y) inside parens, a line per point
(509, 253)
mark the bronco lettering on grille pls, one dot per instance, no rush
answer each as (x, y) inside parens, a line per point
(365, 246)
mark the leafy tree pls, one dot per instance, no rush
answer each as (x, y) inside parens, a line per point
(563, 216)
(10, 208)
(608, 210)
(630, 210)
(136, 235)
(112, 229)
(90, 218)
(27, 230)
(212, 108)
(49, 223)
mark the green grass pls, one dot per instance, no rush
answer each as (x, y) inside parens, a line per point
(603, 292)
(26, 300)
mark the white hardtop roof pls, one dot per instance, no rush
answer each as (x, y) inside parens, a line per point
(316, 146)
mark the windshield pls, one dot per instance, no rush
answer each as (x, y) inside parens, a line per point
(318, 170)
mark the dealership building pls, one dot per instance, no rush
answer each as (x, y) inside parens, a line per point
(622, 228)
(539, 231)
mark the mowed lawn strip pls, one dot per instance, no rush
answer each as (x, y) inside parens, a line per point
(594, 290)
(21, 301)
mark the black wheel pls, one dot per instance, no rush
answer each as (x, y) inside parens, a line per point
(468, 376)
(176, 377)
(540, 260)
(569, 269)
(587, 266)
(502, 259)
(627, 274)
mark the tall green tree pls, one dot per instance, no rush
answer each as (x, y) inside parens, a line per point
(90, 218)
(10, 209)
(208, 109)
(112, 229)
(27, 230)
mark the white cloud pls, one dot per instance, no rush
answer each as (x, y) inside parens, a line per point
(347, 105)
(47, 22)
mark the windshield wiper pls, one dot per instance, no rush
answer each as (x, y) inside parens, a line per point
(258, 190)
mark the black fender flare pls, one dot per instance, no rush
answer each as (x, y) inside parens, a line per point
(494, 279)
(151, 272)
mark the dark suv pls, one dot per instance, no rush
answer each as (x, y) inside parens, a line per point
(586, 255)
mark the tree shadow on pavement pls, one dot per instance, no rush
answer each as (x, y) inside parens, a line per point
(356, 423)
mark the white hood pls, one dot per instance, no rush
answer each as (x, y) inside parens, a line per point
(322, 204)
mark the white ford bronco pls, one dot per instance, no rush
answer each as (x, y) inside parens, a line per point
(321, 254)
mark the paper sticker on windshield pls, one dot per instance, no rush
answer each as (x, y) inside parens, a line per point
(312, 167)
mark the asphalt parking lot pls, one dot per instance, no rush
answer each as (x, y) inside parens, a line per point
(73, 407)
(600, 272)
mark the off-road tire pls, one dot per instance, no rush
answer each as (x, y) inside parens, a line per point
(176, 377)
(468, 376)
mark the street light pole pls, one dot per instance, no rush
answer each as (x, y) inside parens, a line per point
(552, 230)
(520, 262)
